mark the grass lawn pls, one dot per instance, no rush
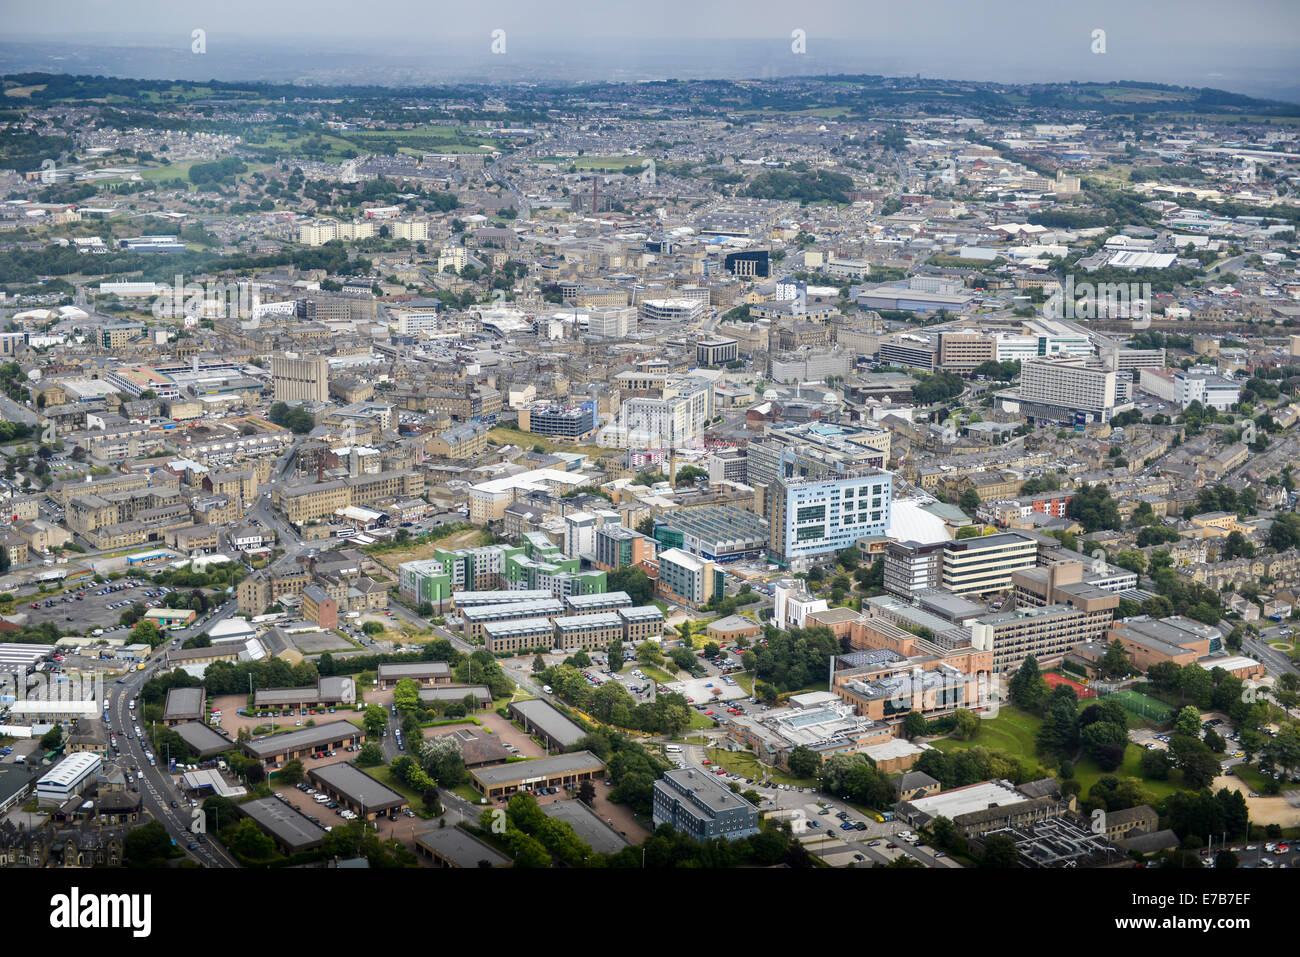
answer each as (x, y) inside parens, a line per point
(1252, 777)
(746, 765)
(1087, 774)
(658, 674)
(385, 776)
(1012, 731)
(467, 792)
(699, 721)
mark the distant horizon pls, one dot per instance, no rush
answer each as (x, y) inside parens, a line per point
(1262, 72)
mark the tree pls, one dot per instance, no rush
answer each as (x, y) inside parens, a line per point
(969, 501)
(292, 773)
(371, 754)
(1060, 728)
(406, 695)
(444, 760)
(1155, 765)
(649, 652)
(804, 762)
(245, 839)
(587, 793)
(539, 664)
(1226, 859)
(52, 739)
(1115, 663)
(968, 725)
(1000, 851)
(1188, 722)
(375, 720)
(1028, 689)
(1104, 741)
(914, 725)
(1200, 768)
(147, 846)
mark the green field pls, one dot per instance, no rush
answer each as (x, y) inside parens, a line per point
(1143, 705)
(1087, 774)
(1012, 731)
(1252, 777)
(746, 765)
(175, 171)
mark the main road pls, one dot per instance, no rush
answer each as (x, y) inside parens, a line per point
(156, 787)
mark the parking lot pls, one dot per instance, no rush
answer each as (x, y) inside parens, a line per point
(91, 611)
(702, 690)
(232, 721)
(511, 735)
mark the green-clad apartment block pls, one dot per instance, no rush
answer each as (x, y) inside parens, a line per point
(536, 565)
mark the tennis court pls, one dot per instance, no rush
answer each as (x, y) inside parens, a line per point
(1143, 705)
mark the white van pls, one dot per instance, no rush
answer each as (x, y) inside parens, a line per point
(672, 749)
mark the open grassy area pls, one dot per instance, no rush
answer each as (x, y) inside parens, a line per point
(699, 721)
(1252, 777)
(746, 765)
(1087, 774)
(1013, 731)
(467, 792)
(385, 776)
(175, 171)
(658, 674)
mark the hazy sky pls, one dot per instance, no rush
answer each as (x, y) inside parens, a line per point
(997, 26)
(1197, 42)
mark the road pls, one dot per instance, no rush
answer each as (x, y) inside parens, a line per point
(496, 172)
(1276, 662)
(156, 788)
(14, 412)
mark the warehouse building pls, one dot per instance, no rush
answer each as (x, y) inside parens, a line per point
(279, 748)
(287, 826)
(427, 673)
(540, 719)
(358, 791)
(588, 825)
(453, 847)
(332, 692)
(457, 693)
(561, 771)
(69, 777)
(184, 704)
(202, 741)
